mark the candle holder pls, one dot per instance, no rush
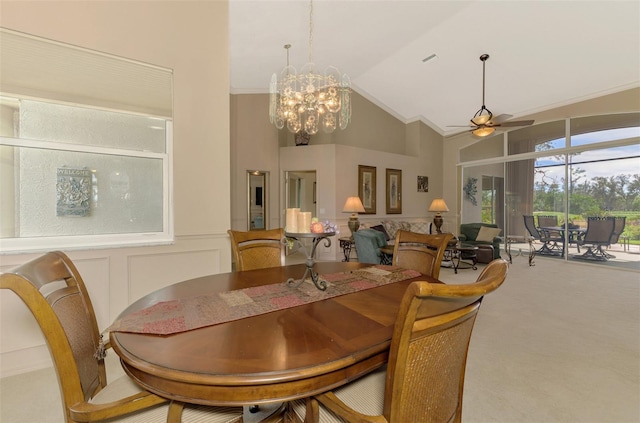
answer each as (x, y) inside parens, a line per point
(310, 262)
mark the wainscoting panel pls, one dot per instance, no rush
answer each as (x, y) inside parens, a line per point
(115, 278)
(148, 273)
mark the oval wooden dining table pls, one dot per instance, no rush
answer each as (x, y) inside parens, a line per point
(275, 357)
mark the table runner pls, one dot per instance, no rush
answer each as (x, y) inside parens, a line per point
(184, 314)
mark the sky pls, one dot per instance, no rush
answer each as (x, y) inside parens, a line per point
(601, 163)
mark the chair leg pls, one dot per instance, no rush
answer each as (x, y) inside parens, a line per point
(594, 252)
(175, 412)
(312, 412)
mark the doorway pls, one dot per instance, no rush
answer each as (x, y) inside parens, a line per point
(301, 190)
(257, 182)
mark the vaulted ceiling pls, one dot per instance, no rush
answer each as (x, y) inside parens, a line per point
(543, 54)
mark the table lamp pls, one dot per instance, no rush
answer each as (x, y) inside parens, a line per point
(438, 205)
(353, 206)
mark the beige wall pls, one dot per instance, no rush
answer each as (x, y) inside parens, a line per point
(192, 39)
(370, 127)
(374, 138)
(254, 146)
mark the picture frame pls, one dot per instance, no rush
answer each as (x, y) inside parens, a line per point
(394, 191)
(423, 184)
(367, 188)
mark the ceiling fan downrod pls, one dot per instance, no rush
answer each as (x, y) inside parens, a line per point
(481, 118)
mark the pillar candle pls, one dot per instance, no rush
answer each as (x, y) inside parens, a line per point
(292, 220)
(304, 222)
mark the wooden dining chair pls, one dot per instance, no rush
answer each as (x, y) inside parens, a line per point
(53, 290)
(257, 249)
(424, 377)
(420, 252)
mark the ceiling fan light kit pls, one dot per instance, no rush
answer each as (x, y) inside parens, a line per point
(481, 118)
(482, 122)
(483, 131)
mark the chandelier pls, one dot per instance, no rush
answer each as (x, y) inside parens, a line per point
(310, 100)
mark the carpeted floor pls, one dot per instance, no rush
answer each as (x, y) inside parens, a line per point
(558, 342)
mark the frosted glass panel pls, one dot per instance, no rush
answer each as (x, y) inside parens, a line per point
(77, 125)
(73, 193)
(85, 145)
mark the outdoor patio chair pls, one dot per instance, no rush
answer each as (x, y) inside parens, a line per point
(599, 234)
(550, 245)
(554, 237)
(620, 222)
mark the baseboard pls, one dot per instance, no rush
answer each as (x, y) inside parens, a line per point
(24, 360)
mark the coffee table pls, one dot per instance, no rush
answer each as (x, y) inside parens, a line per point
(461, 254)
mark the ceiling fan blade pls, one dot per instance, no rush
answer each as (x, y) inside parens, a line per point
(461, 126)
(516, 123)
(500, 118)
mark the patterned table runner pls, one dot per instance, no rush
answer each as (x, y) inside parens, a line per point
(181, 315)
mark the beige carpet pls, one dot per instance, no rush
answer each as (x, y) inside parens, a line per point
(558, 342)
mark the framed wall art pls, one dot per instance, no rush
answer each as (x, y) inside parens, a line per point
(367, 188)
(423, 184)
(394, 191)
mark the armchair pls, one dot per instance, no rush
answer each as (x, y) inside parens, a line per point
(368, 243)
(469, 235)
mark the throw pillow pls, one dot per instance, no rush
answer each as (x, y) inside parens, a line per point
(487, 234)
(421, 228)
(380, 228)
(391, 227)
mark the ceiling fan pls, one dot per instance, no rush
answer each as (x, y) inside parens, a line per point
(483, 123)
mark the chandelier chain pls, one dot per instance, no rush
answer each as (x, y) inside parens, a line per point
(311, 31)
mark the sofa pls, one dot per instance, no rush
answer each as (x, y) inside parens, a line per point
(390, 227)
(489, 237)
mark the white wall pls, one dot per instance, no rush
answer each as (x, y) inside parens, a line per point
(192, 39)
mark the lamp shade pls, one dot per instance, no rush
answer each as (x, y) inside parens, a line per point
(483, 131)
(438, 205)
(353, 205)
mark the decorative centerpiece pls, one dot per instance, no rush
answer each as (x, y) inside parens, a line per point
(316, 231)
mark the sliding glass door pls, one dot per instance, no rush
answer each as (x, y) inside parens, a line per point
(561, 173)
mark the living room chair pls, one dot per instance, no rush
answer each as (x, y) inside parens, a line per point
(257, 249)
(420, 252)
(53, 290)
(424, 377)
(599, 233)
(485, 236)
(368, 243)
